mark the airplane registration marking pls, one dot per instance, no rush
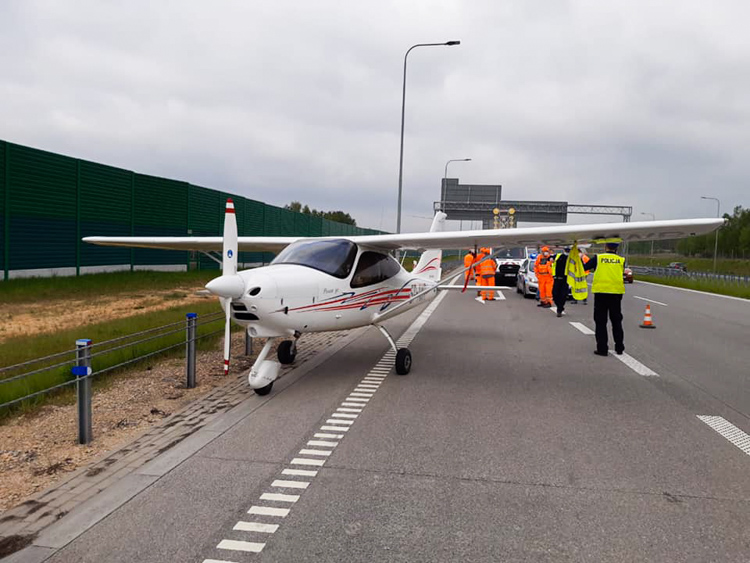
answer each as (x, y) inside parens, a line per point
(278, 497)
(324, 453)
(322, 443)
(728, 431)
(290, 484)
(301, 472)
(256, 527)
(268, 511)
(248, 546)
(305, 461)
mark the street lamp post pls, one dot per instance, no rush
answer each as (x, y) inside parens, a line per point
(445, 174)
(653, 218)
(403, 108)
(716, 240)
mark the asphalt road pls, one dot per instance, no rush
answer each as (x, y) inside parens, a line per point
(509, 441)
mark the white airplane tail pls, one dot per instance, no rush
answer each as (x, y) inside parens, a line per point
(429, 263)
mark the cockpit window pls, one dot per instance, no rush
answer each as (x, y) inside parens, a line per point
(374, 267)
(334, 257)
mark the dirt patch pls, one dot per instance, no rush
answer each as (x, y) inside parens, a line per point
(22, 319)
(39, 449)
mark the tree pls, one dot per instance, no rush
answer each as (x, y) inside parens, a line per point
(338, 216)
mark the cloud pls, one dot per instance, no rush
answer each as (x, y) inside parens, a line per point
(632, 103)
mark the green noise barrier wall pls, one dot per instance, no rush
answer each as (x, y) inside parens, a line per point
(48, 202)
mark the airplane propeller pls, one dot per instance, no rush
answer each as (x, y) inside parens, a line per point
(229, 285)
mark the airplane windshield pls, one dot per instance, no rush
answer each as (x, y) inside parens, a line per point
(334, 257)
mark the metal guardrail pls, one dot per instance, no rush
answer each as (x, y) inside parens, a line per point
(84, 355)
(675, 273)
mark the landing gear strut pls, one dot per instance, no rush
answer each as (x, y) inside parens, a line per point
(287, 351)
(403, 356)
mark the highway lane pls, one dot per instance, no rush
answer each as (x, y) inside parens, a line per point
(509, 441)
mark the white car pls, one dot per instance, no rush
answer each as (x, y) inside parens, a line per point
(509, 261)
(526, 283)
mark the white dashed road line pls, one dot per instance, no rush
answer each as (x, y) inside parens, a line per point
(650, 301)
(583, 328)
(729, 431)
(339, 422)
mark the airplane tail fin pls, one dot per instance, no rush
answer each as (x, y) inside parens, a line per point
(429, 263)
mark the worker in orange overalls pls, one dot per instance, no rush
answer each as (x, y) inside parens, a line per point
(487, 269)
(468, 262)
(481, 255)
(545, 277)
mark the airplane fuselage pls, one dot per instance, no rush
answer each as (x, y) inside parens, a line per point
(281, 299)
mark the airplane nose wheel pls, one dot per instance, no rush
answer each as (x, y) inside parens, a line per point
(287, 352)
(264, 390)
(403, 361)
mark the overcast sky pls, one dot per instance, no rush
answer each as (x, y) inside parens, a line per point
(633, 102)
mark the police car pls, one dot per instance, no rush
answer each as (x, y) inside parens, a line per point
(526, 282)
(509, 262)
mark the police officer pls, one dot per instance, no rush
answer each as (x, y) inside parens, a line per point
(560, 283)
(608, 288)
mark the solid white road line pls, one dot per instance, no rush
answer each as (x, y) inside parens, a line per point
(729, 431)
(325, 453)
(268, 511)
(339, 421)
(278, 497)
(256, 527)
(347, 404)
(500, 295)
(305, 461)
(367, 395)
(346, 409)
(650, 300)
(290, 484)
(634, 364)
(335, 428)
(367, 385)
(582, 327)
(216, 561)
(343, 415)
(300, 472)
(695, 291)
(357, 399)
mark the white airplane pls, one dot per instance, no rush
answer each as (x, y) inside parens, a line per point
(334, 283)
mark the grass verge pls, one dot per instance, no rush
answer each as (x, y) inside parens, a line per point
(17, 350)
(71, 287)
(710, 286)
(723, 265)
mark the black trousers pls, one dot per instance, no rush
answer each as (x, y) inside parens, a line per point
(560, 293)
(608, 305)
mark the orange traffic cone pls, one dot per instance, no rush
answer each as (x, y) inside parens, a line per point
(647, 322)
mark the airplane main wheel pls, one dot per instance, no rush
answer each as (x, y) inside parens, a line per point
(403, 361)
(286, 352)
(265, 390)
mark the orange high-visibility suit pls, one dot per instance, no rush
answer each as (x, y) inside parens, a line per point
(481, 255)
(544, 276)
(487, 272)
(468, 261)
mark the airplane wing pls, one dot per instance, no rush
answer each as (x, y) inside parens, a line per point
(524, 236)
(249, 244)
(551, 236)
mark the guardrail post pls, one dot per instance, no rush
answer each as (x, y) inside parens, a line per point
(190, 349)
(248, 342)
(82, 371)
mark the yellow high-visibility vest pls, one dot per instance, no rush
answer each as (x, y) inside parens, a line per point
(579, 288)
(608, 274)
